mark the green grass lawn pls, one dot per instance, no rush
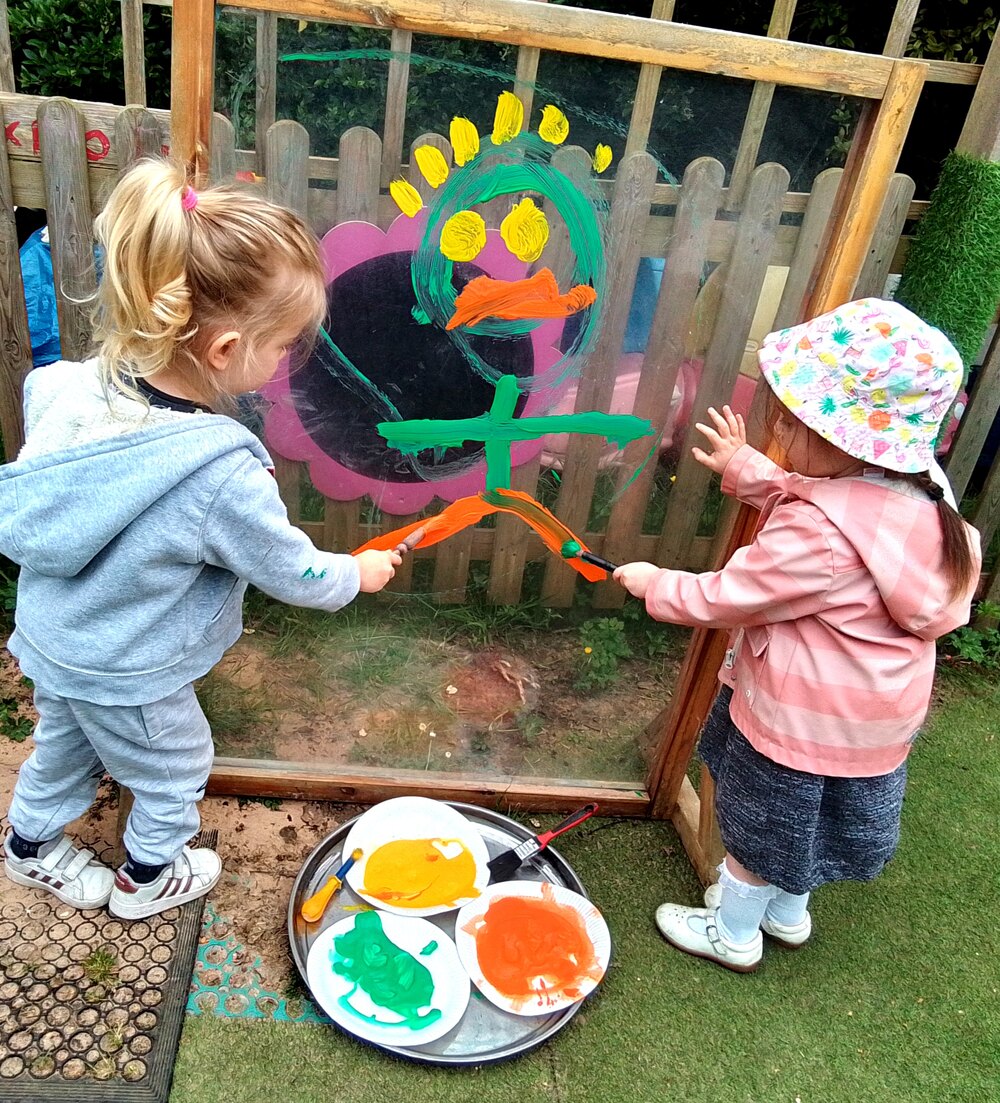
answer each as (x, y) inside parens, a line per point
(895, 997)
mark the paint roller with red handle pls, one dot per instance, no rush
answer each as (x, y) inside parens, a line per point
(505, 865)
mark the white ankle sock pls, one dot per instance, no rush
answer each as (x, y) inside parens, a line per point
(788, 909)
(742, 907)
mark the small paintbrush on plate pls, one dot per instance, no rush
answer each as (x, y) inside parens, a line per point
(505, 865)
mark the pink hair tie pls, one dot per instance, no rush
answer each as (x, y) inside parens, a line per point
(189, 198)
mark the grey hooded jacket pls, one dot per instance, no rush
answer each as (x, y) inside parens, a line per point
(137, 531)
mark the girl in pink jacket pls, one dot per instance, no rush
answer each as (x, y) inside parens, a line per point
(859, 563)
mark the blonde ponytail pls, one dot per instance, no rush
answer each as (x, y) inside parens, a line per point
(179, 268)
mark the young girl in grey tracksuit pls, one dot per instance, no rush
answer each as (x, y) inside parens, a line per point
(138, 516)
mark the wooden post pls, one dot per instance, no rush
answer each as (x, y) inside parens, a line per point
(647, 91)
(980, 135)
(980, 413)
(757, 113)
(134, 52)
(397, 84)
(192, 84)
(525, 76)
(7, 83)
(901, 28)
(863, 190)
(15, 348)
(267, 80)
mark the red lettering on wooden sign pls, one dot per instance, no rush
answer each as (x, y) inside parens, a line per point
(101, 139)
(9, 132)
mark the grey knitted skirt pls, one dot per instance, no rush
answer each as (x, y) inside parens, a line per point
(796, 830)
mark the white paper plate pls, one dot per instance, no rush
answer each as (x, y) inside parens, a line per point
(353, 1008)
(414, 818)
(545, 962)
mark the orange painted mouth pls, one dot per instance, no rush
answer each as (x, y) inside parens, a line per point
(535, 297)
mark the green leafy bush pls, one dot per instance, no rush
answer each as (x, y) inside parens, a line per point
(603, 642)
(979, 645)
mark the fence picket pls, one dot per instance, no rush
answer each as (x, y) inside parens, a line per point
(357, 201)
(414, 175)
(812, 233)
(700, 196)
(513, 538)
(629, 210)
(883, 246)
(222, 167)
(70, 219)
(743, 279)
(980, 413)
(266, 81)
(137, 135)
(15, 348)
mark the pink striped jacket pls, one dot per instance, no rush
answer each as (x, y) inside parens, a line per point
(837, 603)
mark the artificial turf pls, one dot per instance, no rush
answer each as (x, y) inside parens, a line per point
(894, 998)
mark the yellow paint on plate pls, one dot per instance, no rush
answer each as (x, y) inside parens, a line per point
(602, 157)
(464, 140)
(525, 231)
(406, 197)
(463, 236)
(508, 120)
(421, 873)
(554, 126)
(433, 167)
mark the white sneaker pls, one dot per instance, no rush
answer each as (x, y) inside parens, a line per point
(695, 931)
(187, 877)
(791, 936)
(71, 874)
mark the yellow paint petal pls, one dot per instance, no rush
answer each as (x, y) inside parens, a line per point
(464, 140)
(602, 157)
(508, 120)
(406, 197)
(433, 167)
(525, 231)
(463, 236)
(554, 126)
(303, 23)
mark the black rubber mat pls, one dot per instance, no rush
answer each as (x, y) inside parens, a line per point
(91, 1006)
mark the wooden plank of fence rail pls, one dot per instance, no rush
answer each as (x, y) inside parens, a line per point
(285, 155)
(15, 348)
(222, 164)
(742, 281)
(266, 70)
(137, 135)
(629, 210)
(397, 83)
(64, 164)
(887, 234)
(7, 83)
(647, 90)
(357, 201)
(684, 269)
(134, 52)
(973, 429)
(513, 538)
(305, 781)
(812, 234)
(624, 37)
(865, 184)
(192, 84)
(760, 107)
(980, 135)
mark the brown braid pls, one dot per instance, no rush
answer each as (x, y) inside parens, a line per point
(959, 564)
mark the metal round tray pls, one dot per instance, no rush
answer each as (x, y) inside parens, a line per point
(485, 1034)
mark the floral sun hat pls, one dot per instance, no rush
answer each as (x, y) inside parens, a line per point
(869, 377)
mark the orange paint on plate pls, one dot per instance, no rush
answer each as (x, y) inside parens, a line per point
(530, 949)
(421, 873)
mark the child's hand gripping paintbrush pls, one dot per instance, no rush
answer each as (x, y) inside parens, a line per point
(505, 865)
(312, 910)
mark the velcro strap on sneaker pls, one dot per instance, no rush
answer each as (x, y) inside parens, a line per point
(78, 865)
(55, 856)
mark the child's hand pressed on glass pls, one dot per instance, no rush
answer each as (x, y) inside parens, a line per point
(726, 439)
(377, 568)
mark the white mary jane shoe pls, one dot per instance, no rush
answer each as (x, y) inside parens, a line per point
(695, 931)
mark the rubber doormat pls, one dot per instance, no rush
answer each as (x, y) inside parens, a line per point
(91, 1007)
